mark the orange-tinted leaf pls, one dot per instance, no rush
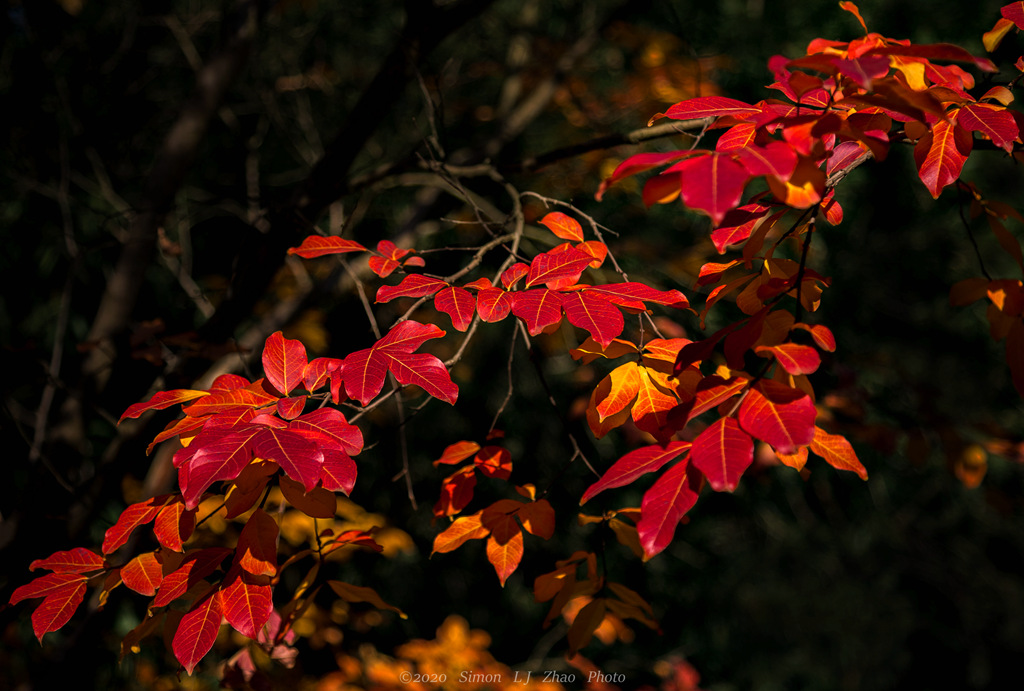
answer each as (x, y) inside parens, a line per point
(635, 464)
(462, 530)
(852, 9)
(257, 545)
(197, 632)
(623, 386)
(130, 519)
(778, 414)
(356, 593)
(822, 335)
(597, 250)
(161, 400)
(664, 505)
(512, 275)
(459, 304)
(382, 266)
(563, 226)
(661, 189)
(246, 602)
(318, 246)
(655, 398)
(538, 518)
(940, 155)
(174, 524)
(994, 36)
(837, 452)
(284, 361)
(722, 452)
(805, 187)
(494, 461)
(77, 560)
(457, 452)
(316, 503)
(505, 557)
(456, 492)
(143, 574)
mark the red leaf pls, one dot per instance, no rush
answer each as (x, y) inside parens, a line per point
(557, 269)
(722, 452)
(197, 565)
(459, 304)
(493, 304)
(540, 308)
(710, 107)
(161, 400)
(632, 295)
(777, 159)
(511, 275)
(317, 371)
(936, 51)
(664, 505)
(257, 545)
(318, 246)
(780, 415)
(738, 224)
(505, 557)
(329, 428)
(992, 121)
(45, 586)
(284, 361)
(215, 455)
(143, 574)
(597, 316)
(130, 519)
(365, 370)
(57, 607)
(246, 603)
(338, 472)
(412, 286)
(822, 335)
(174, 525)
(635, 464)
(638, 164)
(563, 226)
(77, 560)
(837, 452)
(713, 184)
(940, 155)
(291, 408)
(197, 632)
(382, 267)
(297, 455)
(794, 358)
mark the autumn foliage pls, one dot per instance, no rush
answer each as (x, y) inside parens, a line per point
(765, 175)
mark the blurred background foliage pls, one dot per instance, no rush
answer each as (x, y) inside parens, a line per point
(796, 581)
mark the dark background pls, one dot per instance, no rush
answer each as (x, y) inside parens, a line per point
(818, 581)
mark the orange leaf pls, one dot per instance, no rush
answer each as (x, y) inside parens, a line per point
(257, 545)
(143, 574)
(355, 593)
(563, 226)
(505, 557)
(585, 623)
(837, 452)
(462, 530)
